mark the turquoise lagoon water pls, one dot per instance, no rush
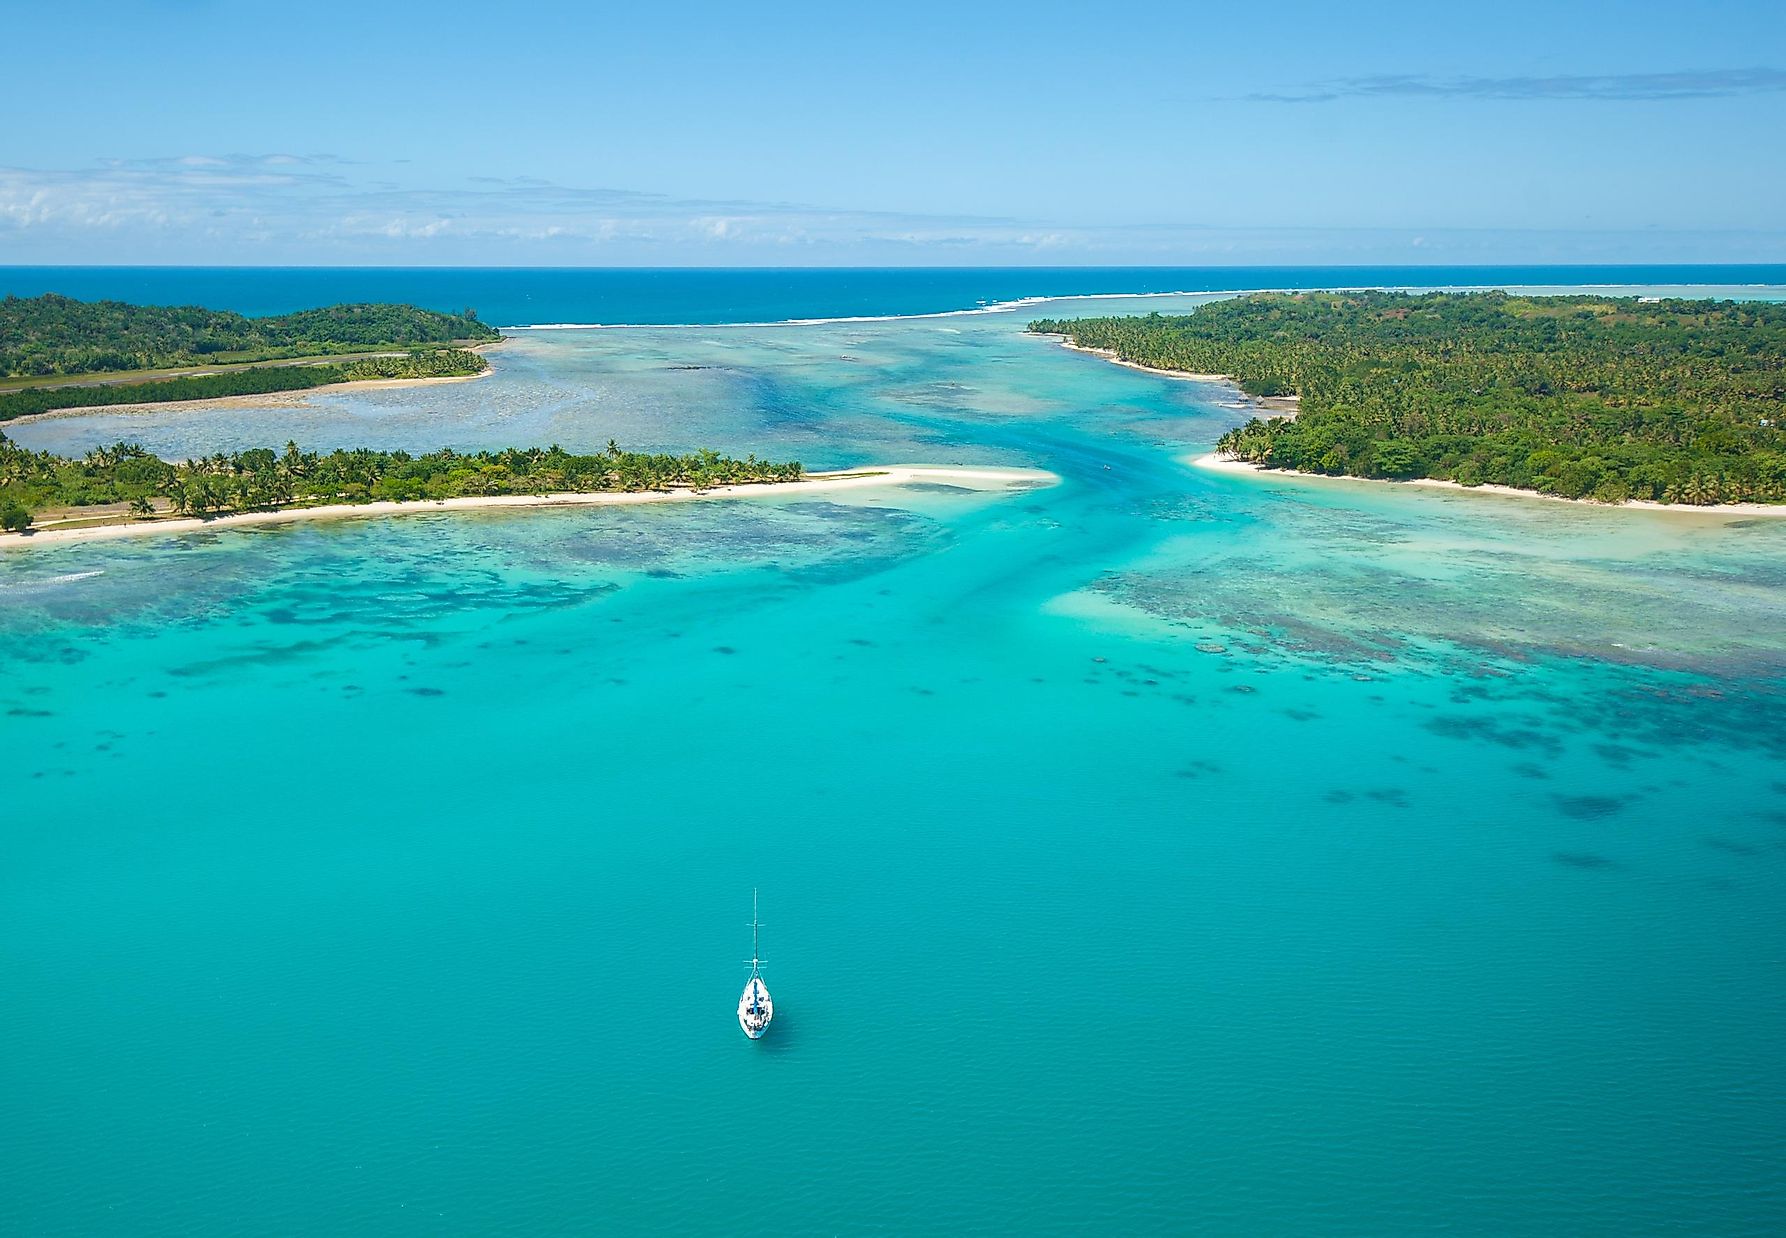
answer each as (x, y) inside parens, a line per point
(1162, 851)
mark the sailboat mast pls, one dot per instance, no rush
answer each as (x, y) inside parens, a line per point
(754, 957)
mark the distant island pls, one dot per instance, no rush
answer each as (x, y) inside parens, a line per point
(1584, 397)
(59, 353)
(126, 482)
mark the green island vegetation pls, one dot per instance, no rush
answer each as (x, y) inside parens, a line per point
(263, 479)
(55, 335)
(1602, 398)
(49, 344)
(255, 380)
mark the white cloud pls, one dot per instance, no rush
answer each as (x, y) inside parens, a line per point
(317, 202)
(289, 208)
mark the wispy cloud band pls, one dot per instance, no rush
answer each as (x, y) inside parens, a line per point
(317, 209)
(325, 203)
(1691, 84)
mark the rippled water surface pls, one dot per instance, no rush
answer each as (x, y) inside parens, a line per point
(1163, 851)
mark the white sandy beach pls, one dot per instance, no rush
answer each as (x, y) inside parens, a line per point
(1110, 356)
(1269, 406)
(1224, 464)
(865, 478)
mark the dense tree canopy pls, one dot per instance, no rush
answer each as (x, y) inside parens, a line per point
(263, 478)
(1607, 398)
(51, 335)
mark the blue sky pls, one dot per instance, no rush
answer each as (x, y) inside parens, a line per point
(186, 131)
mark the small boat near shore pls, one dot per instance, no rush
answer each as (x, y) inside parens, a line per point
(755, 1007)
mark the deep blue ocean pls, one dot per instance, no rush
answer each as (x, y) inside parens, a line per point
(523, 296)
(1162, 851)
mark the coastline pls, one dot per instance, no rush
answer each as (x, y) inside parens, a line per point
(1268, 405)
(1216, 462)
(867, 477)
(1015, 304)
(265, 399)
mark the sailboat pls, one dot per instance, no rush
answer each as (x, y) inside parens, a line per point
(755, 1008)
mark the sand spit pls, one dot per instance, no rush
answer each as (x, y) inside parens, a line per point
(988, 479)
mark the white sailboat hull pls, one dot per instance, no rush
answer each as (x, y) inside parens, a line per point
(755, 1009)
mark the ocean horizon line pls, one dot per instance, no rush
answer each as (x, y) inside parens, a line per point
(1007, 307)
(880, 267)
(589, 298)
